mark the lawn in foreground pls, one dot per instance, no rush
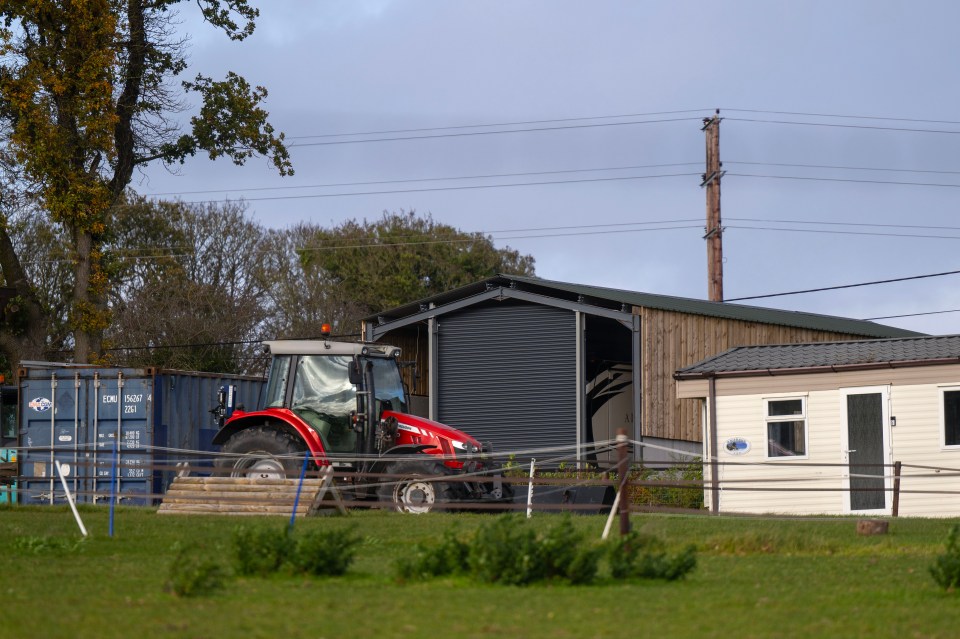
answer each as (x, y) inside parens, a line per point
(755, 578)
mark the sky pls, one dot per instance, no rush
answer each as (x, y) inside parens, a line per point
(571, 131)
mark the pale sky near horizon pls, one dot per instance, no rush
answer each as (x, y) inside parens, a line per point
(840, 137)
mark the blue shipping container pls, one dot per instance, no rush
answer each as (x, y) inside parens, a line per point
(74, 414)
(8, 492)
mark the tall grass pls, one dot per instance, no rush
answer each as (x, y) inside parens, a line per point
(754, 577)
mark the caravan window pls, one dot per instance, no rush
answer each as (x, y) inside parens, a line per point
(786, 427)
(951, 416)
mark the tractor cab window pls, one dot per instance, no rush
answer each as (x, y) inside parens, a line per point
(277, 387)
(324, 398)
(388, 385)
(323, 385)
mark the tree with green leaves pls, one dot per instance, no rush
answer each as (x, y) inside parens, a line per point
(87, 95)
(404, 257)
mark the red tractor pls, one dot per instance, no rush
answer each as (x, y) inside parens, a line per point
(346, 404)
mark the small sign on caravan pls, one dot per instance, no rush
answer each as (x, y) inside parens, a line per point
(737, 446)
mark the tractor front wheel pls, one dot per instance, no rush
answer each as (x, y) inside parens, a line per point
(413, 487)
(262, 452)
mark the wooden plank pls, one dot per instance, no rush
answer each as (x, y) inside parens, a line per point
(237, 495)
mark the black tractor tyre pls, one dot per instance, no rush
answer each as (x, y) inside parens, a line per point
(411, 488)
(268, 453)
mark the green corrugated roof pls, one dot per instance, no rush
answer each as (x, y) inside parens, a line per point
(726, 309)
(613, 298)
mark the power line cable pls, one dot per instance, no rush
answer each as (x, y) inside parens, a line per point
(480, 133)
(514, 237)
(852, 180)
(493, 124)
(569, 171)
(953, 310)
(621, 116)
(835, 223)
(497, 235)
(436, 179)
(845, 116)
(466, 187)
(843, 286)
(831, 232)
(546, 232)
(842, 167)
(846, 126)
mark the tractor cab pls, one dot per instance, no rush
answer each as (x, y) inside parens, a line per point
(328, 388)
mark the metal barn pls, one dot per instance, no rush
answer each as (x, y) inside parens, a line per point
(527, 363)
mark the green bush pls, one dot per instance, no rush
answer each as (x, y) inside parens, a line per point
(506, 552)
(324, 552)
(946, 569)
(192, 574)
(261, 551)
(660, 565)
(565, 554)
(642, 556)
(623, 551)
(448, 557)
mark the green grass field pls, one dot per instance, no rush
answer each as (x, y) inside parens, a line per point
(754, 578)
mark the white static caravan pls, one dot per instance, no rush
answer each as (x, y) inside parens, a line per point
(809, 429)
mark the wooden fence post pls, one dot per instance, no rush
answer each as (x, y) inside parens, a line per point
(896, 488)
(623, 463)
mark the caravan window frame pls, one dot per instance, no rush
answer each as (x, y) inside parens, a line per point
(772, 419)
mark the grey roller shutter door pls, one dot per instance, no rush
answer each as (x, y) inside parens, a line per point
(507, 375)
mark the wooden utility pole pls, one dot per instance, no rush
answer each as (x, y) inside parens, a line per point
(714, 227)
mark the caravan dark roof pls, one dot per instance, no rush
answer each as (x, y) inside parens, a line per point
(827, 356)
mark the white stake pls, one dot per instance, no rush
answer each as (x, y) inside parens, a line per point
(73, 506)
(613, 512)
(530, 490)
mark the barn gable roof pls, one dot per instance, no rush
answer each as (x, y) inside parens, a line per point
(597, 298)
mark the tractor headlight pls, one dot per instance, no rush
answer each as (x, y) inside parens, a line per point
(467, 447)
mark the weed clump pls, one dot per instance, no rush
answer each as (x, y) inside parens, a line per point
(946, 569)
(324, 552)
(193, 573)
(47, 545)
(641, 556)
(261, 551)
(506, 553)
(264, 551)
(448, 557)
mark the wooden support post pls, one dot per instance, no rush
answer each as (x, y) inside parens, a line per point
(896, 489)
(623, 466)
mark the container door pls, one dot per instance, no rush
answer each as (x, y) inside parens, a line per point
(122, 416)
(866, 449)
(51, 431)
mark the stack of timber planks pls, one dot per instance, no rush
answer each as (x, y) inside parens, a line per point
(239, 496)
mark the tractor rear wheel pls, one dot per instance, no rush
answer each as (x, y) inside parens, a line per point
(412, 488)
(267, 453)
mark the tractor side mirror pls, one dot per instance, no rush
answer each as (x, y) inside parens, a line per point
(353, 372)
